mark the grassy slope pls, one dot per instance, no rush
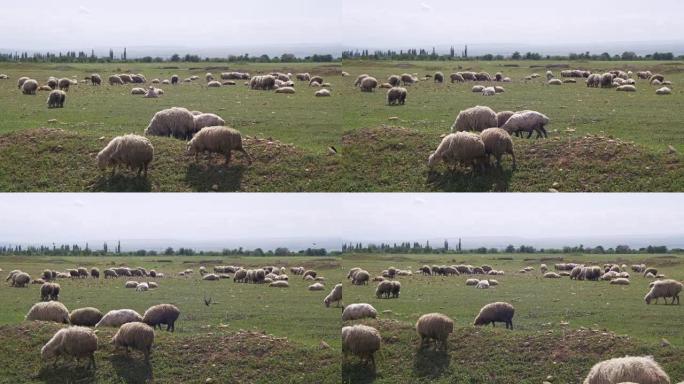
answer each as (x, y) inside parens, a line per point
(603, 321)
(229, 332)
(383, 160)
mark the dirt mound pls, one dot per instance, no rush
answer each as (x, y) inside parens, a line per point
(31, 137)
(270, 150)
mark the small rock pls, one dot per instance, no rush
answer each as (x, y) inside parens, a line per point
(553, 190)
(387, 311)
(555, 184)
(671, 149)
(215, 187)
(664, 343)
(323, 345)
(52, 121)
(393, 118)
(209, 380)
(101, 138)
(549, 378)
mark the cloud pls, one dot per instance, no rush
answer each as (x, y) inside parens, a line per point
(84, 11)
(425, 7)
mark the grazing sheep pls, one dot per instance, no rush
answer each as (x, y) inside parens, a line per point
(211, 277)
(266, 82)
(95, 79)
(207, 120)
(497, 143)
(87, 316)
(49, 291)
(142, 287)
(115, 80)
(214, 84)
(316, 287)
(434, 326)
(110, 273)
(477, 89)
(21, 81)
(160, 314)
(138, 91)
(174, 79)
(20, 279)
(29, 87)
(322, 93)
(176, 122)
(221, 140)
(286, 90)
(316, 79)
(360, 78)
(361, 277)
(368, 84)
(362, 341)
(384, 289)
(476, 118)
(657, 77)
(75, 342)
(652, 271)
(334, 296)
(555, 82)
(460, 147)
(279, 284)
(482, 284)
(117, 317)
(439, 77)
(496, 312)
(64, 84)
(131, 284)
(626, 88)
(303, 76)
(48, 311)
(135, 335)
(95, 273)
(606, 80)
(358, 311)
(56, 99)
(664, 288)
(527, 121)
(552, 275)
(396, 96)
(637, 369)
(408, 79)
(489, 91)
(620, 281)
(472, 282)
(663, 91)
(129, 150)
(456, 77)
(393, 80)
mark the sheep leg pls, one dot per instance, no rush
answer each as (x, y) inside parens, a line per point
(145, 169)
(530, 134)
(544, 131)
(113, 170)
(228, 154)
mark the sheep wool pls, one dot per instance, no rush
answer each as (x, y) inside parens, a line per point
(87, 316)
(497, 143)
(665, 289)
(135, 335)
(358, 311)
(130, 150)
(48, 311)
(176, 122)
(221, 140)
(118, 317)
(527, 121)
(362, 341)
(396, 96)
(75, 342)
(322, 93)
(496, 312)
(56, 99)
(160, 314)
(637, 369)
(434, 326)
(334, 296)
(368, 84)
(29, 87)
(476, 118)
(459, 147)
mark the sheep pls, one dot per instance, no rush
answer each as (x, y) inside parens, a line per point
(131, 284)
(20, 279)
(358, 311)
(176, 122)
(396, 96)
(138, 79)
(217, 139)
(664, 288)
(138, 336)
(439, 77)
(316, 79)
(95, 273)
(214, 84)
(657, 77)
(76, 342)
(303, 76)
(138, 91)
(368, 84)
(384, 289)
(142, 287)
(408, 79)
(499, 89)
(29, 87)
(456, 77)
(160, 314)
(316, 287)
(266, 82)
(115, 80)
(620, 281)
(626, 88)
(117, 317)
(309, 272)
(362, 341)
(21, 81)
(663, 91)
(555, 82)
(488, 91)
(482, 284)
(653, 271)
(334, 296)
(476, 118)
(110, 273)
(361, 277)
(606, 80)
(49, 291)
(87, 316)
(130, 150)
(483, 76)
(496, 312)
(279, 284)
(637, 369)
(459, 147)
(472, 282)
(434, 326)
(497, 143)
(477, 89)
(322, 93)
(48, 311)
(360, 78)
(551, 275)
(64, 84)
(286, 90)
(527, 121)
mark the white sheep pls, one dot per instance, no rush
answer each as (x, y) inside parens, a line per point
(396, 96)
(488, 91)
(482, 284)
(664, 289)
(221, 140)
(29, 87)
(358, 311)
(663, 91)
(135, 335)
(637, 369)
(476, 118)
(316, 287)
(87, 316)
(49, 311)
(460, 147)
(527, 121)
(118, 317)
(496, 312)
(434, 326)
(207, 120)
(176, 122)
(334, 296)
(362, 341)
(322, 93)
(75, 342)
(368, 84)
(130, 150)
(497, 143)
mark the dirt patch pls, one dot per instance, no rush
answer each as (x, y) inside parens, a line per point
(33, 136)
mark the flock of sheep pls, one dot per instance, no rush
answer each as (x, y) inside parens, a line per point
(363, 341)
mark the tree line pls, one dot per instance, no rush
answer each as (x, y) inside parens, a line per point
(83, 57)
(432, 55)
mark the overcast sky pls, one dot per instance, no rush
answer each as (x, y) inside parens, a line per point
(81, 24)
(77, 217)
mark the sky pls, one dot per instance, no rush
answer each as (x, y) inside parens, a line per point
(81, 25)
(43, 218)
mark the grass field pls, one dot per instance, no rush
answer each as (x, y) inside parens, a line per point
(562, 326)
(249, 334)
(600, 140)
